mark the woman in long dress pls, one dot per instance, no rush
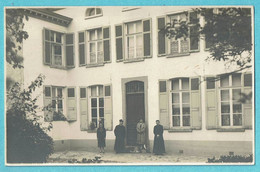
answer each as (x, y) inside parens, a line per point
(158, 146)
(101, 136)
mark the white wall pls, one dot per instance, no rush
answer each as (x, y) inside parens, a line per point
(155, 68)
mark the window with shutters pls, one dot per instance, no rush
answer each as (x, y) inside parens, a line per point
(93, 12)
(58, 49)
(181, 93)
(179, 46)
(232, 105)
(98, 47)
(96, 104)
(133, 40)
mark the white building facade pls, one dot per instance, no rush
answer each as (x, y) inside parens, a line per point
(111, 63)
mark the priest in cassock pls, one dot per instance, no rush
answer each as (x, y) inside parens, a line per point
(120, 137)
(158, 145)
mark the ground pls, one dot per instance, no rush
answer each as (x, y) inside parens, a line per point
(111, 157)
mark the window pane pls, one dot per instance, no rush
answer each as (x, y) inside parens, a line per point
(101, 102)
(83, 93)
(186, 120)
(92, 35)
(130, 28)
(47, 52)
(185, 109)
(211, 83)
(69, 38)
(118, 31)
(185, 97)
(57, 50)
(225, 120)
(94, 112)
(59, 91)
(47, 34)
(139, 45)
(139, 26)
(236, 80)
(237, 108)
(175, 98)
(130, 45)
(101, 112)
(174, 46)
(94, 121)
(224, 95)
(106, 33)
(161, 23)
(147, 46)
(53, 104)
(176, 121)
(107, 91)
(162, 85)
(106, 50)
(100, 90)
(248, 80)
(175, 110)
(185, 46)
(224, 81)
(71, 92)
(175, 84)
(92, 47)
(93, 91)
(69, 56)
(93, 102)
(185, 83)
(225, 107)
(52, 36)
(195, 84)
(236, 94)
(82, 54)
(146, 26)
(58, 37)
(54, 92)
(98, 10)
(119, 49)
(183, 17)
(92, 12)
(60, 104)
(81, 37)
(47, 91)
(161, 43)
(237, 119)
(99, 33)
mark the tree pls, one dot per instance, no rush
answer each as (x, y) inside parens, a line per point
(227, 32)
(27, 140)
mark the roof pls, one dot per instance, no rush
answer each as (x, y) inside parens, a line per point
(47, 14)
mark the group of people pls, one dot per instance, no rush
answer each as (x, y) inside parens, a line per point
(120, 133)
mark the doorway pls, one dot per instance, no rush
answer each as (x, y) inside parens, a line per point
(135, 109)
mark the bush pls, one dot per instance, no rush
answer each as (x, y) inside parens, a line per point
(231, 158)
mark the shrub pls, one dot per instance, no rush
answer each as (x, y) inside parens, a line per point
(231, 158)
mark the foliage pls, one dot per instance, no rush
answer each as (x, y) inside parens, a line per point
(15, 36)
(27, 141)
(227, 32)
(58, 116)
(231, 158)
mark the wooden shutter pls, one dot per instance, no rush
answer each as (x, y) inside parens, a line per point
(161, 21)
(69, 40)
(71, 104)
(247, 109)
(211, 104)
(119, 42)
(164, 104)
(48, 114)
(195, 104)
(106, 43)
(83, 104)
(108, 111)
(82, 48)
(193, 31)
(147, 38)
(46, 47)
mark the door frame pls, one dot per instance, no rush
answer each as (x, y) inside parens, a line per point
(143, 79)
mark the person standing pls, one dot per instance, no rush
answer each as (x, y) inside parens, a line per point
(140, 128)
(158, 146)
(120, 137)
(101, 136)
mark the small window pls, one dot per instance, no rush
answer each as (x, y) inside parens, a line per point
(93, 12)
(48, 91)
(195, 84)
(71, 92)
(83, 93)
(162, 86)
(248, 80)
(210, 83)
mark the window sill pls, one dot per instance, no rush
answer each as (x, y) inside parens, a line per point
(134, 60)
(175, 130)
(59, 67)
(177, 55)
(230, 130)
(95, 16)
(95, 65)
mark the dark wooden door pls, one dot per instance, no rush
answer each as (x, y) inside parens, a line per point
(135, 111)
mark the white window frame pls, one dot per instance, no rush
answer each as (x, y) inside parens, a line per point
(180, 91)
(230, 89)
(87, 16)
(56, 98)
(98, 106)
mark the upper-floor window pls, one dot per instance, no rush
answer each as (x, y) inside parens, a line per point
(93, 12)
(58, 49)
(133, 40)
(185, 45)
(94, 46)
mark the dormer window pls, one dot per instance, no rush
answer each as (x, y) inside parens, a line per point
(93, 12)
